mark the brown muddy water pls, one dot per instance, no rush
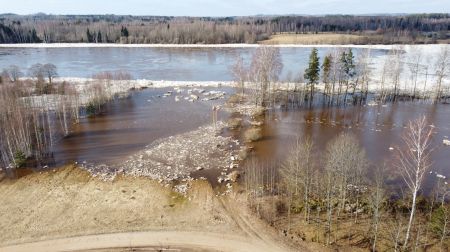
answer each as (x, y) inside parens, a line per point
(128, 125)
(377, 127)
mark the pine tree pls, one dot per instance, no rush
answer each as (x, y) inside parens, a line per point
(99, 37)
(89, 36)
(326, 71)
(312, 72)
(124, 32)
(349, 69)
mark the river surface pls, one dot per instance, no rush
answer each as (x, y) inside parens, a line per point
(176, 64)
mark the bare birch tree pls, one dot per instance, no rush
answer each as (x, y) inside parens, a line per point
(442, 67)
(414, 67)
(265, 69)
(240, 73)
(413, 161)
(297, 171)
(377, 197)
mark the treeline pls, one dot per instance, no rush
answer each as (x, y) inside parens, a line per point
(202, 30)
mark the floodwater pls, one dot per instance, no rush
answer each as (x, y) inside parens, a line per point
(130, 124)
(175, 64)
(376, 127)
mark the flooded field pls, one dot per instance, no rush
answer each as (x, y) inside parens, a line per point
(128, 125)
(378, 128)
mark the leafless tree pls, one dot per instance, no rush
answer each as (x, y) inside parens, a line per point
(414, 67)
(265, 69)
(36, 71)
(14, 73)
(49, 71)
(297, 171)
(442, 67)
(240, 73)
(395, 69)
(413, 161)
(363, 71)
(344, 163)
(347, 161)
(377, 196)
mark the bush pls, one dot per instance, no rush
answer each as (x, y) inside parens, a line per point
(234, 123)
(20, 159)
(90, 109)
(243, 153)
(259, 111)
(253, 134)
(438, 221)
(236, 98)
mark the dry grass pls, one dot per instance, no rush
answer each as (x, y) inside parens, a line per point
(69, 202)
(321, 38)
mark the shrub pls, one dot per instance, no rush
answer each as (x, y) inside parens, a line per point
(439, 218)
(90, 109)
(253, 134)
(234, 123)
(243, 153)
(20, 159)
(259, 111)
(235, 99)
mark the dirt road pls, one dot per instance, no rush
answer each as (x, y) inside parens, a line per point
(158, 240)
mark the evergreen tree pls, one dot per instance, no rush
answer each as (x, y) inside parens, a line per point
(348, 62)
(326, 69)
(312, 72)
(89, 36)
(99, 37)
(124, 32)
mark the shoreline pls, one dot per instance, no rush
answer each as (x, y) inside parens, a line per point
(405, 47)
(111, 45)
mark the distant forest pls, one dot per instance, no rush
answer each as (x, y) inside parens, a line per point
(41, 28)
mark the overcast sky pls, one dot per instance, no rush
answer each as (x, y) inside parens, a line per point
(222, 7)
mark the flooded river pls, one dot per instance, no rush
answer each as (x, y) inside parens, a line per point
(176, 64)
(128, 125)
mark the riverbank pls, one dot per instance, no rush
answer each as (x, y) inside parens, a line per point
(406, 47)
(68, 202)
(104, 45)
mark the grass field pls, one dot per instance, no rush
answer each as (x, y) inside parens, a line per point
(321, 38)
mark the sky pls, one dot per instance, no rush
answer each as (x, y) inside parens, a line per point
(223, 7)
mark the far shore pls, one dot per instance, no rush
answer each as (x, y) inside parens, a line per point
(112, 45)
(429, 48)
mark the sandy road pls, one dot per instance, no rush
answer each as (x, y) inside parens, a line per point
(157, 240)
